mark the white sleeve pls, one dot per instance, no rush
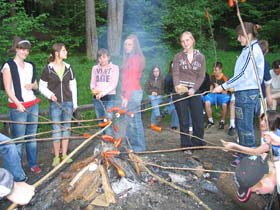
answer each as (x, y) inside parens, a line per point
(73, 88)
(43, 88)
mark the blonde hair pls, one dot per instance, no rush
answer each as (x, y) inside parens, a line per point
(190, 35)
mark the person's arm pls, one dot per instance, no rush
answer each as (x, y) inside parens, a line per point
(254, 151)
(17, 192)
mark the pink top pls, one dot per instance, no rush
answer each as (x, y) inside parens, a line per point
(131, 75)
(105, 80)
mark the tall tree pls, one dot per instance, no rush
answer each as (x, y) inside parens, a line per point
(91, 32)
(115, 25)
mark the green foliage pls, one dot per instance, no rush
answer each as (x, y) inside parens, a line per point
(17, 25)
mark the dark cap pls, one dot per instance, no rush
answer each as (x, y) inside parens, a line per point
(249, 172)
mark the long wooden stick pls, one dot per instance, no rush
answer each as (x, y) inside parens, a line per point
(39, 182)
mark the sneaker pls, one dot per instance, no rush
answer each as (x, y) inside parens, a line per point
(56, 161)
(174, 128)
(231, 131)
(235, 162)
(221, 125)
(36, 169)
(209, 124)
(68, 161)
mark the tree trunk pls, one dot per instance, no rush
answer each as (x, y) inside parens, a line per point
(91, 33)
(115, 24)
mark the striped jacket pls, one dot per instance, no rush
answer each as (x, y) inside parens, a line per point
(244, 76)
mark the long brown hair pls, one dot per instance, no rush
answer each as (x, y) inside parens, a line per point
(135, 51)
(55, 48)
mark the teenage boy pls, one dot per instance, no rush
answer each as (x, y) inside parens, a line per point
(222, 99)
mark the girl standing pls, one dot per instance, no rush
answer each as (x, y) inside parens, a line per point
(19, 78)
(131, 91)
(104, 81)
(188, 75)
(58, 84)
(245, 84)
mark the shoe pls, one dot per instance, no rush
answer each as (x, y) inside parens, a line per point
(231, 131)
(174, 128)
(235, 162)
(209, 124)
(68, 161)
(190, 129)
(36, 169)
(221, 125)
(56, 161)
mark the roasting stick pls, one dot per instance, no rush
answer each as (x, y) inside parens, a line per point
(172, 102)
(48, 122)
(48, 175)
(44, 132)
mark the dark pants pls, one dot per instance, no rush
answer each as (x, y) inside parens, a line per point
(194, 106)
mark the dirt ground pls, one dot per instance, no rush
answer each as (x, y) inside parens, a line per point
(156, 195)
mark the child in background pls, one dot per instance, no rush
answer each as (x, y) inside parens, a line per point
(154, 87)
(104, 81)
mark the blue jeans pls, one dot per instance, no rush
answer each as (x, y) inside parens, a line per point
(59, 114)
(11, 159)
(170, 109)
(245, 103)
(155, 101)
(134, 126)
(18, 130)
(101, 110)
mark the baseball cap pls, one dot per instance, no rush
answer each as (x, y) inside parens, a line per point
(249, 172)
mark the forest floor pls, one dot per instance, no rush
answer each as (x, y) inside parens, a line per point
(151, 195)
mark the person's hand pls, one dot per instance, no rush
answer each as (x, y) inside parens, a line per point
(28, 86)
(99, 96)
(181, 89)
(22, 193)
(20, 107)
(54, 98)
(154, 93)
(228, 145)
(95, 91)
(124, 102)
(218, 89)
(191, 92)
(268, 135)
